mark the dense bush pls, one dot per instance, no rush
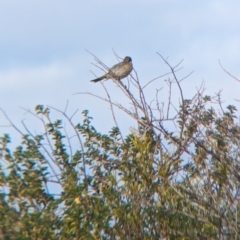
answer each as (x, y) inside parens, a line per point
(175, 176)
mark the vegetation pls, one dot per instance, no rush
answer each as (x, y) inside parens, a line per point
(175, 176)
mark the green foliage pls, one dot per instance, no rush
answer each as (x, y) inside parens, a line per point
(178, 185)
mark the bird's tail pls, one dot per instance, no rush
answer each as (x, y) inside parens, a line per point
(98, 79)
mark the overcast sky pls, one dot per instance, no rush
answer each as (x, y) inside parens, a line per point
(43, 57)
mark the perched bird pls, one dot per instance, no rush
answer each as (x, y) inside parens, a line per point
(118, 71)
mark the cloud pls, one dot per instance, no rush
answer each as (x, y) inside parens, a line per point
(43, 57)
(28, 77)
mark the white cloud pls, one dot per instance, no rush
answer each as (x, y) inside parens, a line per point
(27, 77)
(43, 57)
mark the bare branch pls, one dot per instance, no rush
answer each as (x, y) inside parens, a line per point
(228, 72)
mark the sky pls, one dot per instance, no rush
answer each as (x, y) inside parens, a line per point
(44, 57)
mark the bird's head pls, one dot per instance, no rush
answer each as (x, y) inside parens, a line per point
(127, 59)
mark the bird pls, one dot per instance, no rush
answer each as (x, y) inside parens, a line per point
(118, 71)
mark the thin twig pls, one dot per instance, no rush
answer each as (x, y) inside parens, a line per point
(228, 72)
(111, 106)
(78, 137)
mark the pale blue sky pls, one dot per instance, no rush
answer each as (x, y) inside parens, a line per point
(43, 58)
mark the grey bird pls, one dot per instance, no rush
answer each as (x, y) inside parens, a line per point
(118, 71)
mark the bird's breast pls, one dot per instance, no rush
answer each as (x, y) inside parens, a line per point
(122, 70)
